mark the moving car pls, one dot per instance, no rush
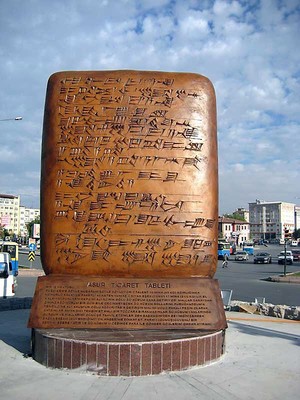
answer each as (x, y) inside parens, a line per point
(288, 255)
(296, 255)
(241, 256)
(263, 258)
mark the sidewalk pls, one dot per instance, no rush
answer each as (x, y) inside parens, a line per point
(262, 361)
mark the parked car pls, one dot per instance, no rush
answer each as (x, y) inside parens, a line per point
(241, 256)
(263, 258)
(7, 279)
(289, 257)
(296, 255)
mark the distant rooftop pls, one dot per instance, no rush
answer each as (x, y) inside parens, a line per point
(8, 196)
(269, 202)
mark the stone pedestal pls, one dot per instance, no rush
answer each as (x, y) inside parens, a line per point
(126, 353)
(160, 324)
(129, 233)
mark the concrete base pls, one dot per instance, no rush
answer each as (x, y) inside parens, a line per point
(126, 353)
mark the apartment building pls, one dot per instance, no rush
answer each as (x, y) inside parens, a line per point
(234, 230)
(14, 217)
(27, 215)
(9, 212)
(268, 220)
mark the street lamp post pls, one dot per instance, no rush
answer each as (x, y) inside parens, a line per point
(284, 268)
(287, 236)
(12, 119)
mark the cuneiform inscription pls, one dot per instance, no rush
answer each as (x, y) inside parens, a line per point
(139, 219)
(151, 250)
(79, 159)
(131, 159)
(70, 179)
(126, 201)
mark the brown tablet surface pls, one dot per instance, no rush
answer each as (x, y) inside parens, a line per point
(129, 175)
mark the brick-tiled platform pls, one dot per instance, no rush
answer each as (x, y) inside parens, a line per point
(126, 353)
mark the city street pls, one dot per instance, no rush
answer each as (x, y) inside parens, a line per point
(246, 279)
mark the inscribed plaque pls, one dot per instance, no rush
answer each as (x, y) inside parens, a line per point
(127, 303)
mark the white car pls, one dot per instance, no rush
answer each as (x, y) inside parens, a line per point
(288, 255)
(241, 256)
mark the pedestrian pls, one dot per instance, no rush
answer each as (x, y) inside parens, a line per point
(225, 262)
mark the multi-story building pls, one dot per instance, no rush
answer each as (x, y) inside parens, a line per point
(9, 213)
(234, 229)
(14, 217)
(297, 217)
(27, 215)
(243, 213)
(269, 219)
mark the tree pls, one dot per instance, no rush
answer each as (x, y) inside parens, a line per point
(220, 235)
(1, 231)
(4, 232)
(296, 234)
(235, 216)
(30, 224)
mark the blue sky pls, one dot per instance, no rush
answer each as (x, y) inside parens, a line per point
(248, 49)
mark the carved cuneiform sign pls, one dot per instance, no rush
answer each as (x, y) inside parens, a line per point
(129, 174)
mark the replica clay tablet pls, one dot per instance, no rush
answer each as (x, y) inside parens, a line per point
(129, 175)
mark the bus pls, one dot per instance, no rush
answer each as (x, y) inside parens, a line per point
(223, 250)
(12, 248)
(248, 247)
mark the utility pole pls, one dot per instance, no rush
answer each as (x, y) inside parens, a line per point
(285, 243)
(287, 236)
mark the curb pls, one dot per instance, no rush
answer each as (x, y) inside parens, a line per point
(264, 318)
(24, 271)
(282, 279)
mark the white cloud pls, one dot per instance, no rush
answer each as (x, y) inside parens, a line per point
(248, 50)
(194, 26)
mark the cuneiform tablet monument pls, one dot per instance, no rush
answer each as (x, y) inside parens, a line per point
(129, 202)
(129, 175)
